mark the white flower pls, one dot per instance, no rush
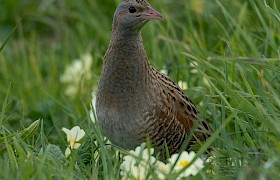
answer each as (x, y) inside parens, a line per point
(183, 161)
(193, 66)
(73, 137)
(144, 154)
(183, 85)
(164, 71)
(67, 152)
(162, 169)
(138, 163)
(74, 73)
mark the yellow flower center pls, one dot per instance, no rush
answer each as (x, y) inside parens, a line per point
(72, 141)
(184, 163)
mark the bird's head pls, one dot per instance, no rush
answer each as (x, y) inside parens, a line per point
(132, 15)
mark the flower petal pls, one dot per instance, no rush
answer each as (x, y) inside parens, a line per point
(162, 167)
(80, 135)
(191, 155)
(76, 145)
(77, 133)
(67, 151)
(67, 132)
(186, 158)
(137, 164)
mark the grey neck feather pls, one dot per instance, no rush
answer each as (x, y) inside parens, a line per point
(126, 64)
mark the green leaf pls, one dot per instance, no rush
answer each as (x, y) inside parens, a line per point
(30, 130)
(24, 134)
(53, 152)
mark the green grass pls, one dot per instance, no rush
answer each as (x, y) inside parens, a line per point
(227, 51)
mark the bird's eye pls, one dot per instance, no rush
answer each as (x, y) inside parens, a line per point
(132, 9)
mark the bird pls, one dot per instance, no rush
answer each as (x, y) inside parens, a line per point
(134, 101)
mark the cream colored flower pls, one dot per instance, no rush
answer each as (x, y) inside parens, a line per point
(183, 85)
(67, 152)
(164, 71)
(193, 66)
(73, 137)
(137, 164)
(162, 169)
(184, 160)
(75, 72)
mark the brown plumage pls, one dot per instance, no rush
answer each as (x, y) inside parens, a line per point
(134, 100)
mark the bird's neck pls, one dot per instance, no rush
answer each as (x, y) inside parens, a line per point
(126, 61)
(124, 34)
(119, 39)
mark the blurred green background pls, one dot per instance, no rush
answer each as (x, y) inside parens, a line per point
(227, 52)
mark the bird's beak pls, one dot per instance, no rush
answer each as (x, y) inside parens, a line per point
(150, 13)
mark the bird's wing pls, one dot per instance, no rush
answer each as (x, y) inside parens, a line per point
(181, 107)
